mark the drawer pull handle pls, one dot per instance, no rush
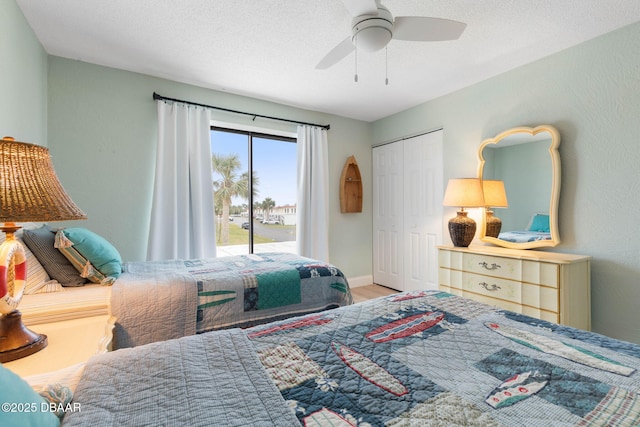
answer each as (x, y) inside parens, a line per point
(491, 288)
(491, 267)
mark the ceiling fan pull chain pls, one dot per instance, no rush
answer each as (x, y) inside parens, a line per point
(355, 77)
(386, 66)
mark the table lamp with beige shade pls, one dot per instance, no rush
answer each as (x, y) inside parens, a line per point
(464, 193)
(29, 192)
(495, 196)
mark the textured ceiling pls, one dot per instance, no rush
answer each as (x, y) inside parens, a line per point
(268, 49)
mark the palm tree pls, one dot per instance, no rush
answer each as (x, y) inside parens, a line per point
(228, 186)
(267, 205)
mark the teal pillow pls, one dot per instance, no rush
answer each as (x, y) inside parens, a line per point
(102, 255)
(21, 405)
(540, 223)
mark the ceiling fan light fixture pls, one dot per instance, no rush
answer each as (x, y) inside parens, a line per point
(372, 39)
(373, 32)
(373, 27)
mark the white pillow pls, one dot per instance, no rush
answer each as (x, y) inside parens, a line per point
(38, 281)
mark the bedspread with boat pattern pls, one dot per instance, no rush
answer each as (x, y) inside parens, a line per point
(423, 358)
(216, 293)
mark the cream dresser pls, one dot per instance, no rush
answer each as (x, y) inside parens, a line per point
(545, 285)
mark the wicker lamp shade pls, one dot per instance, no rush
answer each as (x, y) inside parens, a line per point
(494, 196)
(465, 193)
(29, 187)
(29, 191)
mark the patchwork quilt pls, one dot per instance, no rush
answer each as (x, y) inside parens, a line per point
(423, 358)
(161, 300)
(246, 290)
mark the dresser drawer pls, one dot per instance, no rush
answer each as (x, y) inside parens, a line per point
(505, 268)
(493, 287)
(543, 297)
(512, 306)
(500, 267)
(481, 264)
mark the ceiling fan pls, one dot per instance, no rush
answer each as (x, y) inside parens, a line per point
(373, 27)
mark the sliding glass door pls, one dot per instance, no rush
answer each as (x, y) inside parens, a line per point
(254, 177)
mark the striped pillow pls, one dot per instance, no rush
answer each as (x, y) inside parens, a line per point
(41, 242)
(38, 281)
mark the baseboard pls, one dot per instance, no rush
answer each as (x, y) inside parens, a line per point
(355, 282)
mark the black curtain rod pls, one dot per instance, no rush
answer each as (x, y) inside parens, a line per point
(158, 97)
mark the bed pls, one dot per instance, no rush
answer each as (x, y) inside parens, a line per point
(524, 236)
(424, 358)
(537, 229)
(161, 300)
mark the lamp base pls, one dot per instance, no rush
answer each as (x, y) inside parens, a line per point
(16, 341)
(493, 225)
(462, 229)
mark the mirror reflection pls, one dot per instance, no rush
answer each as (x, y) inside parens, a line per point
(527, 162)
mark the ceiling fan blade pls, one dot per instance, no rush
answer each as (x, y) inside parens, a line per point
(361, 7)
(426, 29)
(335, 55)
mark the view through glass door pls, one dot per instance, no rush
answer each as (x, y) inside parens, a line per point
(254, 178)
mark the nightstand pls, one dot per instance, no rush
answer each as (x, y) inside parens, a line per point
(69, 342)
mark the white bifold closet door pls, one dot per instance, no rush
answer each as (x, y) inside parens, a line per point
(407, 212)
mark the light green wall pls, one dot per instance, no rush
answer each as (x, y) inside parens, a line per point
(23, 78)
(102, 132)
(591, 93)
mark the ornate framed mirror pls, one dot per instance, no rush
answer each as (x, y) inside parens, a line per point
(527, 161)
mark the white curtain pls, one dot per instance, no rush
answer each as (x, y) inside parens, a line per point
(312, 228)
(182, 215)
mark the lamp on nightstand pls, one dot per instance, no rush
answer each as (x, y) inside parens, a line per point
(494, 197)
(29, 192)
(465, 193)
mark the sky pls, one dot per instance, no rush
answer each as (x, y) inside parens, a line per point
(274, 162)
